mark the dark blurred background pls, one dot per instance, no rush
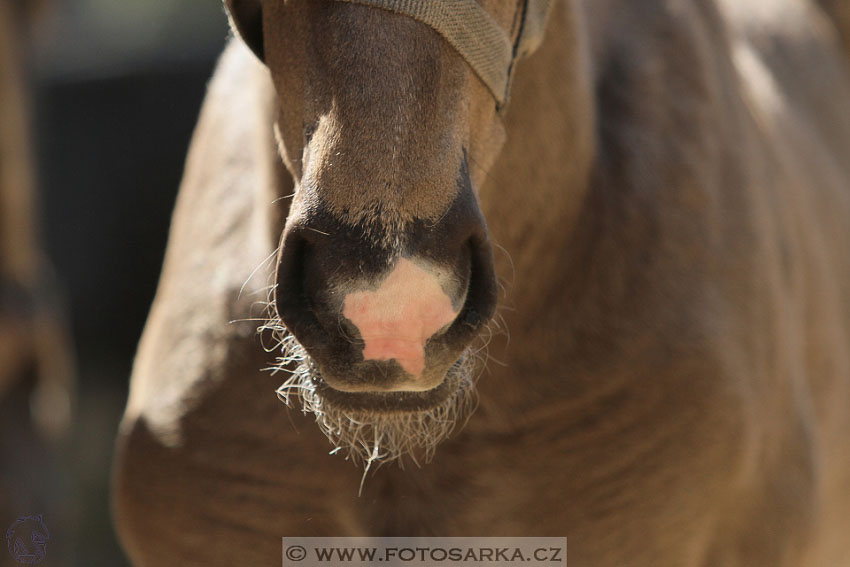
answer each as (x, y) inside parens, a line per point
(117, 86)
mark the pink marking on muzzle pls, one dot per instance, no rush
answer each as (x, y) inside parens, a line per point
(398, 318)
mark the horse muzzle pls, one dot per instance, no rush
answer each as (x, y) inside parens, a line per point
(380, 314)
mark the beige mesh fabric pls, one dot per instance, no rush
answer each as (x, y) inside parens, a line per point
(469, 29)
(475, 34)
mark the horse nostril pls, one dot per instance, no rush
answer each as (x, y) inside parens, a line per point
(290, 270)
(291, 297)
(481, 295)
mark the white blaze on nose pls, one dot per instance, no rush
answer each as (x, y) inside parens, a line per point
(398, 318)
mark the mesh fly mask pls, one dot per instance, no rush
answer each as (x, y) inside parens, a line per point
(475, 35)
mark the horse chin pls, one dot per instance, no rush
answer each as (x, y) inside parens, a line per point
(376, 427)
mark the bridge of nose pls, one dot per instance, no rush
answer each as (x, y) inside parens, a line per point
(396, 319)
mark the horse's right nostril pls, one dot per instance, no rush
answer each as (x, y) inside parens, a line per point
(291, 297)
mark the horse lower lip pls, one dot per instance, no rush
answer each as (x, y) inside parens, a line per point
(388, 402)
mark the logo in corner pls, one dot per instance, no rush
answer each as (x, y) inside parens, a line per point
(27, 540)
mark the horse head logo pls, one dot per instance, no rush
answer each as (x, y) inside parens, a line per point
(27, 540)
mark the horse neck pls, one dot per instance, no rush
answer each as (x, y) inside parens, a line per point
(535, 189)
(615, 176)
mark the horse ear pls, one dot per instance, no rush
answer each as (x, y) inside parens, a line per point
(246, 19)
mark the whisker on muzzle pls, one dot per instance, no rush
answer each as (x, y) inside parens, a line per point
(371, 437)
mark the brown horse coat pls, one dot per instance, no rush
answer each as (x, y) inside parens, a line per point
(671, 211)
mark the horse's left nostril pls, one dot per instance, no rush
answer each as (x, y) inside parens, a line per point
(481, 298)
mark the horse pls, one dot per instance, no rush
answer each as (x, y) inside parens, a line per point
(617, 231)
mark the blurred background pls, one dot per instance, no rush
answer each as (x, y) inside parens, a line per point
(114, 92)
